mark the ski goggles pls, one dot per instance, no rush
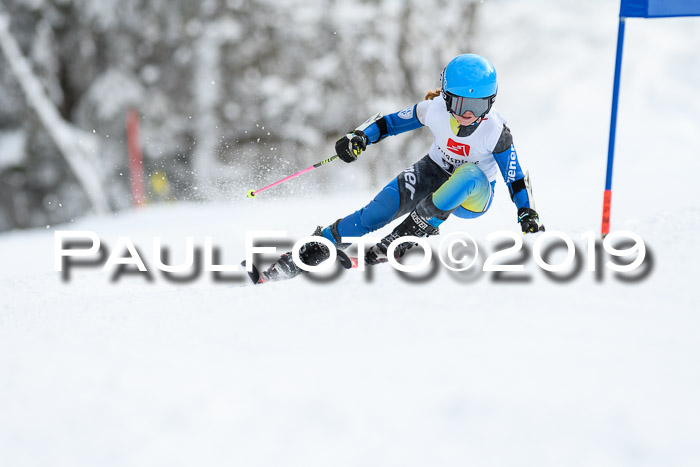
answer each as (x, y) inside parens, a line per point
(458, 105)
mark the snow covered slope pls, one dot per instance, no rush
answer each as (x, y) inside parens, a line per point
(377, 370)
(351, 372)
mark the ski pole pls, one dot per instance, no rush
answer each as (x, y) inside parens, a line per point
(254, 193)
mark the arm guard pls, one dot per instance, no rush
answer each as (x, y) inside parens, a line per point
(393, 124)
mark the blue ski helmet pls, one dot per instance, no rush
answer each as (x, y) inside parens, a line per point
(469, 83)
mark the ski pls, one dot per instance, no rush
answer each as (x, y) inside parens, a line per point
(254, 274)
(348, 262)
(257, 277)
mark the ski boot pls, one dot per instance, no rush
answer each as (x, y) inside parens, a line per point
(414, 225)
(312, 254)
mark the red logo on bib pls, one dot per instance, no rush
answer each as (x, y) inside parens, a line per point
(460, 149)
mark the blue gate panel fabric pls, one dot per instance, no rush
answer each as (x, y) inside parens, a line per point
(659, 8)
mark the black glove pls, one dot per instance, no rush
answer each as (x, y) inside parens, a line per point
(529, 221)
(351, 145)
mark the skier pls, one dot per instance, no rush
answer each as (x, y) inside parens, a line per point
(457, 176)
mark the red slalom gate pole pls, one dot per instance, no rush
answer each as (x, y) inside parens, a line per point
(133, 141)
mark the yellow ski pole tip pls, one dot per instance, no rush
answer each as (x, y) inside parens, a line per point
(251, 194)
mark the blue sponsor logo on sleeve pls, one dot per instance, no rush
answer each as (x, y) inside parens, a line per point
(406, 114)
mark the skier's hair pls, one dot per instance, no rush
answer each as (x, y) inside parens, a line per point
(432, 94)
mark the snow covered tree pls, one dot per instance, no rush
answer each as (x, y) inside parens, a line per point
(232, 93)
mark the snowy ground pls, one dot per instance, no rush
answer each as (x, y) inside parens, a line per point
(381, 371)
(353, 372)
